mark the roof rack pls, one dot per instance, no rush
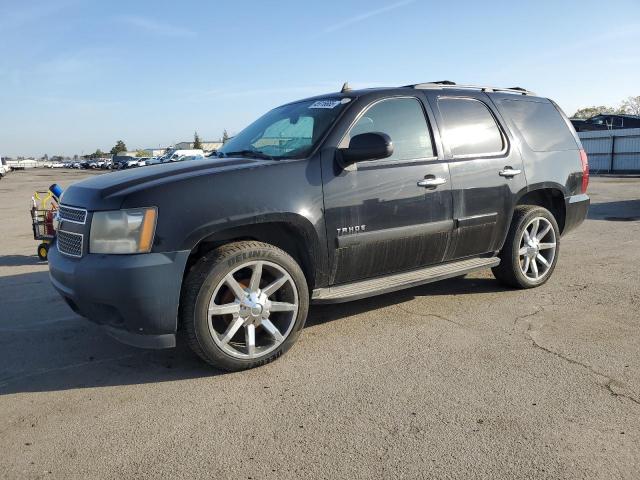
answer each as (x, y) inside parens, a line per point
(449, 84)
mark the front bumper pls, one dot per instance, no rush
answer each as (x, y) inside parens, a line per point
(576, 208)
(135, 297)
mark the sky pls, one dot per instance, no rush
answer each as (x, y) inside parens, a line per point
(77, 75)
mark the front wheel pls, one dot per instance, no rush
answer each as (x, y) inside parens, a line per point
(530, 252)
(243, 305)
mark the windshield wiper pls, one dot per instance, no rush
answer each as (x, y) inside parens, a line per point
(248, 153)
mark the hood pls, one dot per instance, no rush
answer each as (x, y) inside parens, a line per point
(107, 191)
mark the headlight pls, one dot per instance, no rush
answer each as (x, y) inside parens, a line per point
(123, 231)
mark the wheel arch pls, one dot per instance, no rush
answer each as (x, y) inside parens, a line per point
(290, 232)
(547, 195)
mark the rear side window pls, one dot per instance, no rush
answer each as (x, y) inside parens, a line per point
(469, 127)
(541, 125)
(404, 121)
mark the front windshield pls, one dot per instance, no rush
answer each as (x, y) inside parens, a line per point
(289, 131)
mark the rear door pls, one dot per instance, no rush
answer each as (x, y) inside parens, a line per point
(486, 171)
(389, 215)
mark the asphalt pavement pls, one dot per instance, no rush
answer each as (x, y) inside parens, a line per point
(460, 379)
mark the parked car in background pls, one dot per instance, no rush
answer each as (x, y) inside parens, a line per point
(124, 161)
(4, 167)
(606, 122)
(119, 163)
(143, 161)
(325, 200)
(174, 155)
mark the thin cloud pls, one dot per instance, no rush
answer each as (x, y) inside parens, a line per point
(68, 66)
(15, 18)
(157, 27)
(622, 32)
(367, 15)
(249, 92)
(319, 88)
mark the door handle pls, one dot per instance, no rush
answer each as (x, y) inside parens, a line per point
(509, 172)
(432, 182)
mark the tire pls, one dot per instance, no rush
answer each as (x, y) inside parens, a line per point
(43, 251)
(234, 318)
(515, 270)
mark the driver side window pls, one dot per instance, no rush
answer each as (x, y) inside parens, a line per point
(404, 121)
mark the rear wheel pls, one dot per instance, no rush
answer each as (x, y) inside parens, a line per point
(243, 305)
(531, 249)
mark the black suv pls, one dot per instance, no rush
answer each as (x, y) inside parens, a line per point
(328, 199)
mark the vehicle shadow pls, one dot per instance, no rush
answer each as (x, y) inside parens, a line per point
(45, 347)
(19, 260)
(619, 211)
(319, 314)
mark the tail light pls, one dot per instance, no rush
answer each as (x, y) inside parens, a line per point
(585, 170)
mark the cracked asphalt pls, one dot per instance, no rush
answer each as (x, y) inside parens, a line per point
(461, 379)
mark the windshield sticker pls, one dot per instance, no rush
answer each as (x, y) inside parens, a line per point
(325, 104)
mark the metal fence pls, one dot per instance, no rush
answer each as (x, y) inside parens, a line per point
(612, 151)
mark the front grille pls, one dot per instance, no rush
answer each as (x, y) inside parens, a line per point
(70, 243)
(71, 214)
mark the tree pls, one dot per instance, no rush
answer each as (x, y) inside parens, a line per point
(197, 144)
(141, 153)
(45, 157)
(75, 157)
(118, 147)
(588, 112)
(631, 106)
(97, 154)
(225, 136)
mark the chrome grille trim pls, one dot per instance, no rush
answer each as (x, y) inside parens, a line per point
(69, 243)
(72, 214)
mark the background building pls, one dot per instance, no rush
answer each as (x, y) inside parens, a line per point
(206, 146)
(155, 152)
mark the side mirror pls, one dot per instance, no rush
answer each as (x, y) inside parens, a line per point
(367, 146)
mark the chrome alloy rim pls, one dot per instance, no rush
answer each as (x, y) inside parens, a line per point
(253, 309)
(537, 248)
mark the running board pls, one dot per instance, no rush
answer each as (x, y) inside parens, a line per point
(390, 283)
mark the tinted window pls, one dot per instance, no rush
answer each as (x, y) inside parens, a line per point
(632, 122)
(403, 120)
(541, 125)
(469, 127)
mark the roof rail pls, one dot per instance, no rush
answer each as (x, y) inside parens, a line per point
(449, 84)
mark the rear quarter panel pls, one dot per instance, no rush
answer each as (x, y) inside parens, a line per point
(545, 169)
